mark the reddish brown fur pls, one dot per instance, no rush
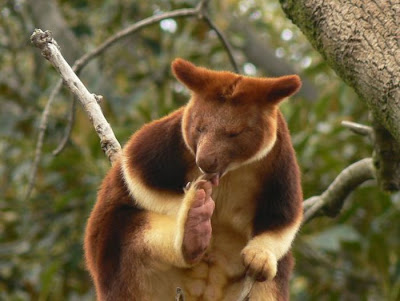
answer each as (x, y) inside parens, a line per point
(229, 124)
(114, 221)
(116, 255)
(227, 85)
(285, 267)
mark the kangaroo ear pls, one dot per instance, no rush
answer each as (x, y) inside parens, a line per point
(282, 87)
(193, 77)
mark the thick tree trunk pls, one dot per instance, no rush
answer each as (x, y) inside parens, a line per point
(360, 39)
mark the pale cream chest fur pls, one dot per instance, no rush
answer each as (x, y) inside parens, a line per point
(220, 274)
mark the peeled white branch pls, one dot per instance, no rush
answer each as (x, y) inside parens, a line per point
(51, 51)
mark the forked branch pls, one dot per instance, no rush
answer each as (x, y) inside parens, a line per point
(331, 201)
(50, 50)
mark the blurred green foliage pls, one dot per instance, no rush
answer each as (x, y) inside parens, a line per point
(354, 257)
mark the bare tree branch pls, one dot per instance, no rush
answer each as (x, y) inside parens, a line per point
(85, 59)
(223, 40)
(247, 287)
(357, 128)
(50, 50)
(39, 143)
(179, 295)
(198, 11)
(68, 129)
(331, 201)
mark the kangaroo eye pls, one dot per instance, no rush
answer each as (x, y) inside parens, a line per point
(199, 129)
(233, 134)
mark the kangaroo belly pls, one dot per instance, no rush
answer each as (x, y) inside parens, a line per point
(218, 276)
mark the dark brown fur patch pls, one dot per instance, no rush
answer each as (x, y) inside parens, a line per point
(158, 153)
(281, 198)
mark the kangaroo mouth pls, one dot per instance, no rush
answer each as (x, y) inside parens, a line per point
(212, 177)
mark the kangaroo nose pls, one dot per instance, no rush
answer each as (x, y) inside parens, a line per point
(208, 164)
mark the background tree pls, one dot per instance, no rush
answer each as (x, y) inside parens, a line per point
(352, 257)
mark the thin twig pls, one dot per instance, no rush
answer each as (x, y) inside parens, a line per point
(68, 129)
(180, 296)
(51, 51)
(179, 13)
(357, 128)
(223, 40)
(248, 284)
(39, 144)
(307, 204)
(331, 201)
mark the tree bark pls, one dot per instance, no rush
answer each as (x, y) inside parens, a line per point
(386, 157)
(360, 39)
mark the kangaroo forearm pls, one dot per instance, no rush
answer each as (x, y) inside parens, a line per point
(165, 234)
(160, 240)
(277, 242)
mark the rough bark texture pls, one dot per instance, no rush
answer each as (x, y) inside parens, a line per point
(386, 159)
(360, 39)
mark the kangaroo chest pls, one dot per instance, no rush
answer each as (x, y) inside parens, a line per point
(235, 202)
(221, 272)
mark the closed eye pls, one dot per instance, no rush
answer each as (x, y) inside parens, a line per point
(232, 134)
